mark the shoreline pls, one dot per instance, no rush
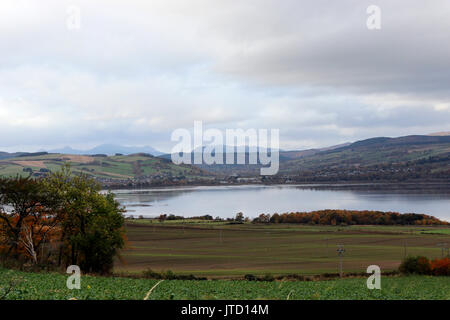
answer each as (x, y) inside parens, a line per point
(389, 186)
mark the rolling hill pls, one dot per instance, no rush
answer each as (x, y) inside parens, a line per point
(424, 158)
(416, 158)
(109, 149)
(103, 168)
(375, 151)
(381, 158)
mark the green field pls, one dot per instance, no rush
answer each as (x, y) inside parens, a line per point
(53, 286)
(224, 253)
(221, 250)
(112, 167)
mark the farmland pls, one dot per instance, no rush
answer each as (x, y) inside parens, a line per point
(53, 286)
(99, 167)
(224, 254)
(221, 250)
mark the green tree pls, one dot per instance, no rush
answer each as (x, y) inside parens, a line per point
(92, 224)
(239, 217)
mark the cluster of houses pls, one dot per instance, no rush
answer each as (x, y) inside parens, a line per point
(159, 179)
(42, 172)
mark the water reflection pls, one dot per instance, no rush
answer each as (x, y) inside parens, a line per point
(226, 201)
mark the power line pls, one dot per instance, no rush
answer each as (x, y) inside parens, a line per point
(340, 251)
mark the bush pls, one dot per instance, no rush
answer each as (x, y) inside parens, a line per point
(268, 277)
(149, 273)
(440, 267)
(415, 265)
(169, 275)
(250, 277)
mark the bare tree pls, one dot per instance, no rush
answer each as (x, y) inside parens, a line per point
(28, 243)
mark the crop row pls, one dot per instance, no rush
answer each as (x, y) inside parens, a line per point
(20, 285)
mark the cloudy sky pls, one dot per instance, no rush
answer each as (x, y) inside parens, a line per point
(136, 70)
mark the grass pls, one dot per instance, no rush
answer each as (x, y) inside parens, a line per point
(11, 170)
(112, 167)
(437, 231)
(49, 286)
(225, 253)
(220, 250)
(52, 286)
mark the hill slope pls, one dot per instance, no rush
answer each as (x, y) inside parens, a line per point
(109, 149)
(418, 158)
(102, 168)
(403, 158)
(382, 158)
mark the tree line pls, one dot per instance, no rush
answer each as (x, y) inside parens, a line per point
(59, 220)
(350, 217)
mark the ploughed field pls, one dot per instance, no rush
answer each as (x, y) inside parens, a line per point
(221, 250)
(20, 285)
(100, 167)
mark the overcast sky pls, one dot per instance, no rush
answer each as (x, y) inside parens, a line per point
(136, 70)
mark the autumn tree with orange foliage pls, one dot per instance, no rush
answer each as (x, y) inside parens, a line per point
(440, 267)
(354, 217)
(422, 265)
(64, 213)
(28, 218)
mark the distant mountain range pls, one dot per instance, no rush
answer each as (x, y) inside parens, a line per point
(408, 158)
(381, 158)
(109, 149)
(444, 133)
(284, 155)
(217, 148)
(415, 157)
(7, 155)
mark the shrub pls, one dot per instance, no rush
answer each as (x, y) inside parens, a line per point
(417, 265)
(169, 275)
(440, 267)
(149, 273)
(268, 277)
(250, 277)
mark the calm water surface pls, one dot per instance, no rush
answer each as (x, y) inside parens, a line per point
(226, 201)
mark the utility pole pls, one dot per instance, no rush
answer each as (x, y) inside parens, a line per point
(405, 245)
(340, 251)
(444, 247)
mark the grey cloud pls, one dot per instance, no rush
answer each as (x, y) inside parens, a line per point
(137, 70)
(335, 49)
